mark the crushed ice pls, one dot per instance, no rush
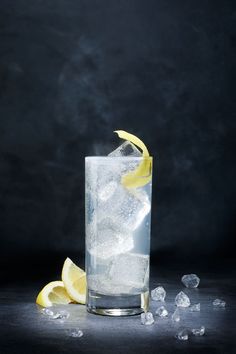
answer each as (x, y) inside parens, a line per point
(182, 300)
(198, 331)
(158, 294)
(147, 318)
(162, 311)
(75, 332)
(190, 280)
(219, 303)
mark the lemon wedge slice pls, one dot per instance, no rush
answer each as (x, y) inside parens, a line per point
(53, 293)
(143, 173)
(74, 279)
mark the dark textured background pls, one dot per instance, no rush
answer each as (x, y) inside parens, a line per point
(71, 72)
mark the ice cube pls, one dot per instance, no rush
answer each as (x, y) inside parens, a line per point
(75, 333)
(126, 207)
(105, 194)
(195, 308)
(103, 285)
(147, 318)
(131, 269)
(176, 316)
(182, 334)
(61, 315)
(107, 239)
(101, 179)
(219, 303)
(107, 190)
(131, 208)
(198, 331)
(125, 149)
(102, 176)
(158, 294)
(47, 312)
(190, 280)
(182, 300)
(162, 311)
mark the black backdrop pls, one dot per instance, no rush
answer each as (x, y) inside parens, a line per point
(73, 71)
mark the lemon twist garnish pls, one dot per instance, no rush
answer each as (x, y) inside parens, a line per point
(143, 173)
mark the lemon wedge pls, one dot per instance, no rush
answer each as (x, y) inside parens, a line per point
(53, 293)
(143, 173)
(74, 279)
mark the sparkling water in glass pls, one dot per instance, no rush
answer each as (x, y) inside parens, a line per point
(117, 237)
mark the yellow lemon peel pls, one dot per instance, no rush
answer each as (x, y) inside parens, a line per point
(143, 173)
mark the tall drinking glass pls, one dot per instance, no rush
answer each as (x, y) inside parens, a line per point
(117, 221)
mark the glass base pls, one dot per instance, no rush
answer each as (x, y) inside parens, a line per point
(117, 305)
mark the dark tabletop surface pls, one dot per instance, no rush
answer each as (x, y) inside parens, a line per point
(25, 330)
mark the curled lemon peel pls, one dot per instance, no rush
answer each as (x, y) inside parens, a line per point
(143, 173)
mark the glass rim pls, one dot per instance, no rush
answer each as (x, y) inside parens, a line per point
(117, 158)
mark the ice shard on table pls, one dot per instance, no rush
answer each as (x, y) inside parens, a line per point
(147, 318)
(176, 315)
(162, 311)
(158, 294)
(219, 303)
(198, 331)
(182, 300)
(190, 280)
(182, 334)
(195, 307)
